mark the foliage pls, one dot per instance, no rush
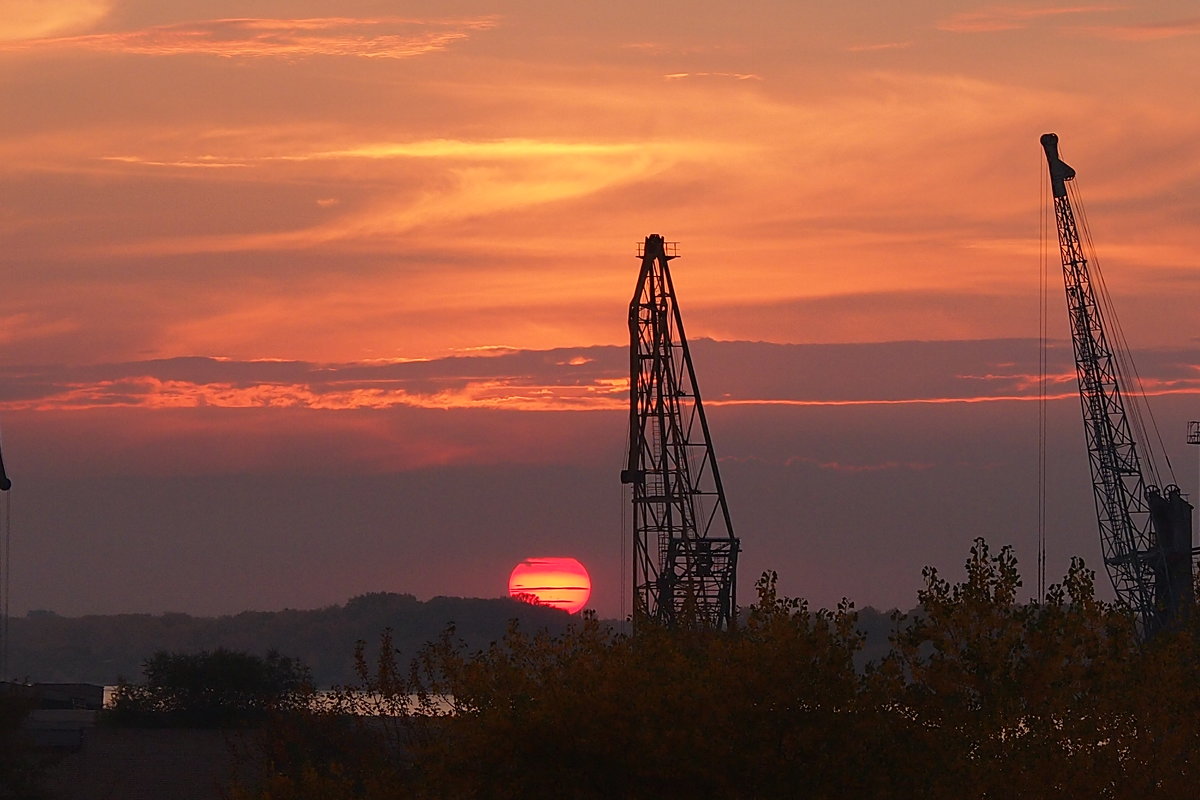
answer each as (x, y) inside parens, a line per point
(212, 689)
(594, 713)
(980, 695)
(1006, 693)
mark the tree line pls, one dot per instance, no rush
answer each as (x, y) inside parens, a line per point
(977, 695)
(103, 649)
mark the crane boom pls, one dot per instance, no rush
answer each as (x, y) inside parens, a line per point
(1145, 531)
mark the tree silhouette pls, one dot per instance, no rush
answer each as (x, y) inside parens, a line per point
(980, 695)
(212, 689)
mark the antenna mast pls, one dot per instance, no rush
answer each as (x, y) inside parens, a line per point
(684, 550)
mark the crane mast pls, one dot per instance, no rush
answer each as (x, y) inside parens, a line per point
(684, 550)
(1145, 531)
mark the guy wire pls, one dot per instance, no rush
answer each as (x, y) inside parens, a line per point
(1043, 344)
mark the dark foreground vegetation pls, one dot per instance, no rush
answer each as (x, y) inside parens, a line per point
(218, 689)
(979, 695)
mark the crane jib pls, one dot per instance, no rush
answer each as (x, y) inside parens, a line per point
(1145, 532)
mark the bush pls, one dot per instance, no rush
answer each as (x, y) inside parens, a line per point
(211, 689)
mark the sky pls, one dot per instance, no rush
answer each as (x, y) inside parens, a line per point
(305, 299)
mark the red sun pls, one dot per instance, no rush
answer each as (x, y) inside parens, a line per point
(559, 582)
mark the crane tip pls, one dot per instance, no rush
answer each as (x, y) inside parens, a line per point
(1060, 171)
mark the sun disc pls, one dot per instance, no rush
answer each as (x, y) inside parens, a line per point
(552, 581)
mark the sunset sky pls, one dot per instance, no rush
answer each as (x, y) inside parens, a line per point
(306, 299)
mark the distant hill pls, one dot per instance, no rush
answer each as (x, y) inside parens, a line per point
(45, 647)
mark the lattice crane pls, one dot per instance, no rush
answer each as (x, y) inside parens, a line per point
(1145, 531)
(684, 550)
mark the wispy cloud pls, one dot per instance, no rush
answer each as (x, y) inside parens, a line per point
(461, 150)
(199, 162)
(663, 48)
(149, 392)
(496, 149)
(736, 76)
(1148, 32)
(475, 179)
(567, 379)
(391, 37)
(869, 48)
(524, 381)
(1008, 18)
(23, 20)
(908, 401)
(23, 326)
(429, 149)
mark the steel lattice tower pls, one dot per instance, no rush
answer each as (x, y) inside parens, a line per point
(684, 550)
(1145, 532)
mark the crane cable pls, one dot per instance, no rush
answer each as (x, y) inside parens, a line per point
(5, 575)
(626, 522)
(1043, 344)
(5, 566)
(1138, 412)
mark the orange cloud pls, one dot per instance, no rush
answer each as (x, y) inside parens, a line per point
(208, 162)
(654, 48)
(279, 38)
(153, 393)
(479, 150)
(867, 48)
(906, 401)
(23, 20)
(737, 76)
(453, 150)
(18, 327)
(474, 178)
(148, 392)
(1149, 32)
(591, 379)
(430, 149)
(1008, 18)
(511, 381)
(534, 171)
